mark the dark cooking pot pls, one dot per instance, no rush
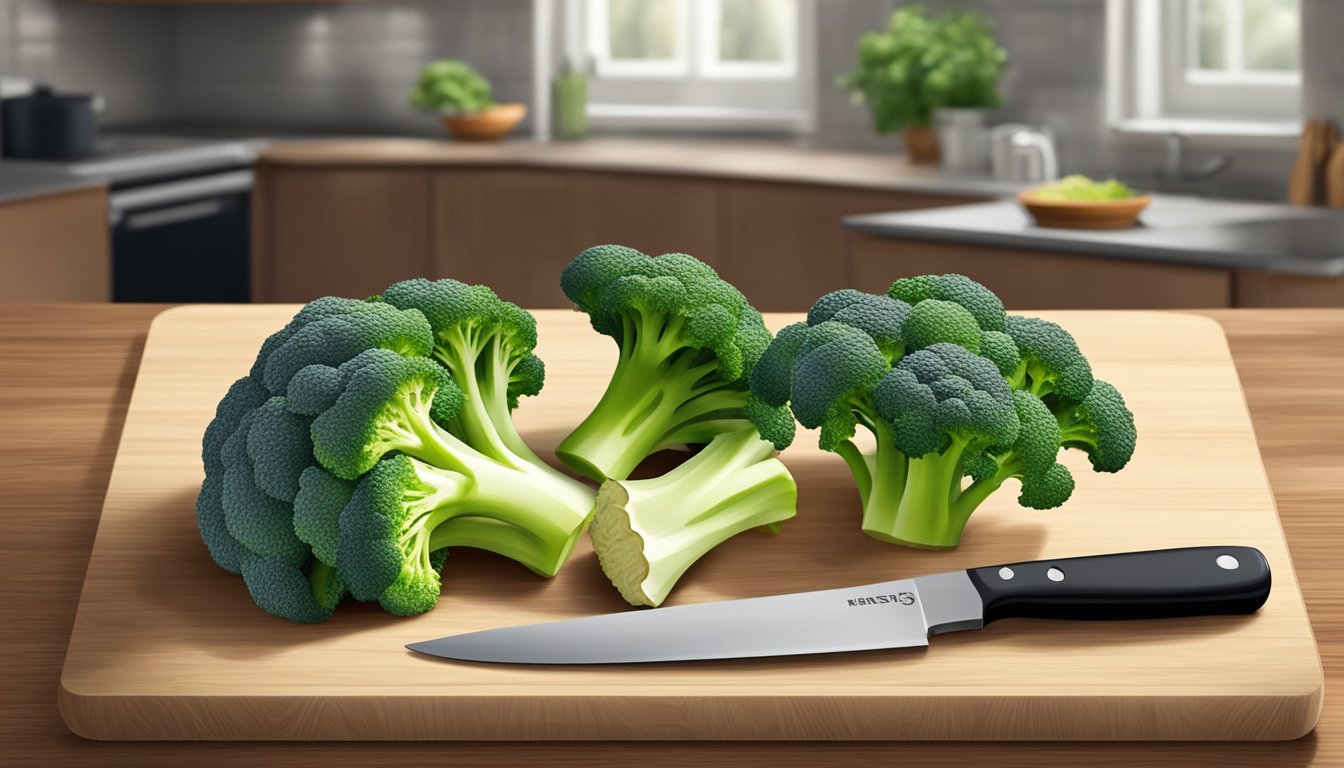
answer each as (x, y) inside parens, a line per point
(45, 125)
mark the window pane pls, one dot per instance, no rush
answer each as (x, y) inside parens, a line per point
(1271, 33)
(642, 29)
(1212, 20)
(755, 30)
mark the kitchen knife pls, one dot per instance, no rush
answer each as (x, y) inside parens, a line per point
(1194, 581)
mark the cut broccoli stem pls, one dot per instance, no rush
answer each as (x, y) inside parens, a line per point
(647, 533)
(654, 400)
(925, 517)
(886, 470)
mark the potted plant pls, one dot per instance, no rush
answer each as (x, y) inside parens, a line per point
(461, 97)
(919, 65)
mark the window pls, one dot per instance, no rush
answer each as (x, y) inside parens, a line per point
(1206, 61)
(669, 63)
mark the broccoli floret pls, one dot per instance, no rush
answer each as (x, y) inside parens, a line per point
(686, 341)
(1102, 426)
(1051, 363)
(440, 492)
(317, 511)
(1046, 483)
(647, 533)
(945, 405)
(978, 300)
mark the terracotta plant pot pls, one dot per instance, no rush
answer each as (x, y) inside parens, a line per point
(490, 124)
(1083, 214)
(921, 144)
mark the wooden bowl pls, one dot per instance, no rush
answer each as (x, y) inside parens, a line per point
(1083, 214)
(490, 124)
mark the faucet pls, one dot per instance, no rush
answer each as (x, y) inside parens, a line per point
(1175, 168)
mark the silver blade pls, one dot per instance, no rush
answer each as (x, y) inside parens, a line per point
(893, 614)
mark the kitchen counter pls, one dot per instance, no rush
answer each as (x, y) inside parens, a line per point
(21, 182)
(1186, 230)
(777, 161)
(68, 443)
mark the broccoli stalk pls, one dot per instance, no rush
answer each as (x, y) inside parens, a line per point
(440, 492)
(647, 533)
(686, 341)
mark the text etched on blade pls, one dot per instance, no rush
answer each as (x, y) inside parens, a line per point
(900, 598)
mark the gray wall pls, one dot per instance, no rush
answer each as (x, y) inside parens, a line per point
(1056, 76)
(118, 51)
(339, 67)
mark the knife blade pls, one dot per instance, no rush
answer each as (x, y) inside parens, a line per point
(1191, 581)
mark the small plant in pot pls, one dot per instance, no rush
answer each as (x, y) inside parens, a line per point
(919, 65)
(461, 97)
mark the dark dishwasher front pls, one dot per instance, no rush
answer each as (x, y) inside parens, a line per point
(183, 241)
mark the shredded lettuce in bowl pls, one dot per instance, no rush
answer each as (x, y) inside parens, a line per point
(1079, 188)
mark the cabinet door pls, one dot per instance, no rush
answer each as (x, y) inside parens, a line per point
(339, 232)
(1028, 280)
(653, 214)
(55, 248)
(783, 245)
(512, 230)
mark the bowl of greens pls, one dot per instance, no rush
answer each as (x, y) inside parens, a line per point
(1077, 202)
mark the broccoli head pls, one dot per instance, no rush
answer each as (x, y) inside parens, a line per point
(686, 341)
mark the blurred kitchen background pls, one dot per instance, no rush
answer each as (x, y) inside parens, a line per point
(182, 150)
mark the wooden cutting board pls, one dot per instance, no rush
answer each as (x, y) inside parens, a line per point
(168, 646)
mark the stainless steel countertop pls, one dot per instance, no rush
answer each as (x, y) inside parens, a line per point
(19, 182)
(1187, 230)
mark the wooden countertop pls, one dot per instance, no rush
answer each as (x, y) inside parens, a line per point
(67, 373)
(778, 161)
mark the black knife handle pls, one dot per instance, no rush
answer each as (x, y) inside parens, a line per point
(1194, 581)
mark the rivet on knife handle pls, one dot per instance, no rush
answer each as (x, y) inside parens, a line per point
(1194, 581)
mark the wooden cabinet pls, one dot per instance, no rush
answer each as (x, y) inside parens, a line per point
(783, 245)
(55, 247)
(338, 232)
(1258, 288)
(1028, 280)
(655, 215)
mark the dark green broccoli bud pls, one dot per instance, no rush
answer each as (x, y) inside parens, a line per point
(305, 594)
(1001, 350)
(1051, 363)
(934, 321)
(244, 396)
(946, 405)
(381, 409)
(335, 339)
(774, 423)
(313, 389)
(317, 511)
(1048, 490)
(486, 344)
(1046, 483)
(1102, 426)
(279, 448)
(835, 371)
(981, 302)
(260, 523)
(881, 317)
(687, 342)
(224, 549)
(772, 378)
(647, 533)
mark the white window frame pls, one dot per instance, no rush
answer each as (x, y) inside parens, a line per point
(1155, 86)
(698, 91)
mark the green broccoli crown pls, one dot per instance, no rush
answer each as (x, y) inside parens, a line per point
(243, 397)
(984, 306)
(881, 317)
(775, 424)
(302, 593)
(945, 393)
(1051, 362)
(259, 522)
(317, 511)
(225, 550)
(1102, 426)
(834, 373)
(280, 449)
(313, 389)
(1000, 349)
(772, 378)
(934, 321)
(379, 410)
(387, 540)
(1046, 483)
(625, 292)
(334, 338)
(468, 319)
